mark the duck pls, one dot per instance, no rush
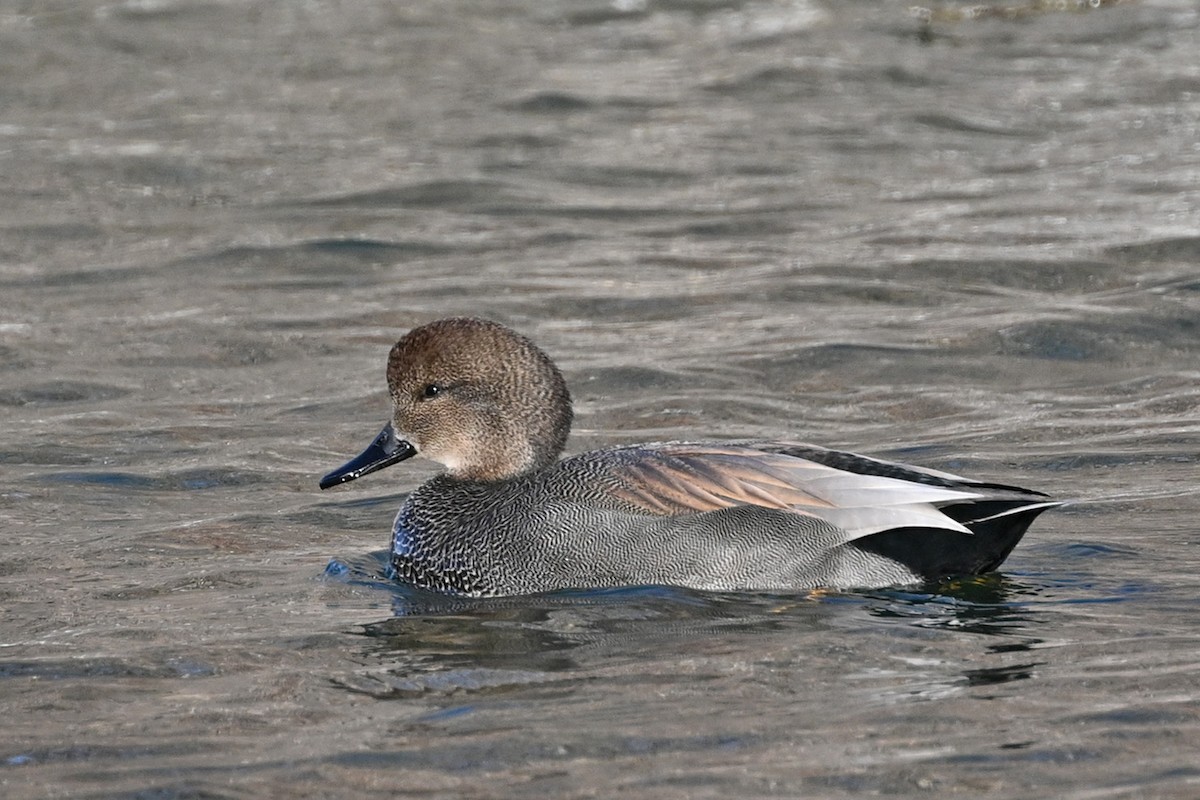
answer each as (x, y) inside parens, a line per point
(510, 516)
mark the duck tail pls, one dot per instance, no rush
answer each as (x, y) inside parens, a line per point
(996, 527)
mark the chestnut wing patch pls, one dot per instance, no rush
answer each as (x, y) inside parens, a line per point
(677, 479)
(672, 481)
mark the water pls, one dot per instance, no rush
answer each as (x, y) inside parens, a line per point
(971, 245)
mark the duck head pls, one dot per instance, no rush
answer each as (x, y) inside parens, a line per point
(472, 395)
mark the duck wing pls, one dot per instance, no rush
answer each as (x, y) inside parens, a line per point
(859, 495)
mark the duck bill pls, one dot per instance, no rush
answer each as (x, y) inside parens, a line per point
(385, 450)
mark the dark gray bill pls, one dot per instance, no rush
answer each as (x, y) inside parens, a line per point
(386, 450)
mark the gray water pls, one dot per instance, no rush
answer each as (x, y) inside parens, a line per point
(971, 243)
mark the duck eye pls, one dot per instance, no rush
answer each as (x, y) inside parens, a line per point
(431, 390)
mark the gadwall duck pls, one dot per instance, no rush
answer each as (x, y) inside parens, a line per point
(510, 517)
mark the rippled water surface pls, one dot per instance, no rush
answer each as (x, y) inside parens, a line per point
(971, 243)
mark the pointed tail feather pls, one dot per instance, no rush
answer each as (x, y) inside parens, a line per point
(996, 526)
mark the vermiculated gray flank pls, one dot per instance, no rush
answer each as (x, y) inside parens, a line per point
(508, 517)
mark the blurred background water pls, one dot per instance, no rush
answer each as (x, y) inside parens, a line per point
(966, 239)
